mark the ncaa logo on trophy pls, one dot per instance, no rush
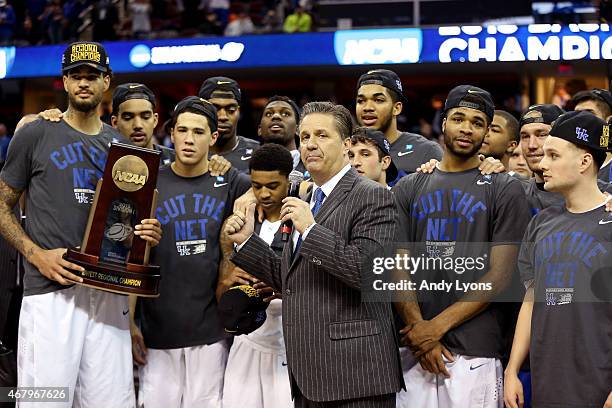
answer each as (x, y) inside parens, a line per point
(114, 258)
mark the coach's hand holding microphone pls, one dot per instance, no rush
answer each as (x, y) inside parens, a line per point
(295, 179)
(296, 212)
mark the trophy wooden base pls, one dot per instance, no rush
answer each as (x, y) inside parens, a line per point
(128, 279)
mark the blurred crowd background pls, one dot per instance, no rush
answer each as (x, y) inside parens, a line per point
(37, 22)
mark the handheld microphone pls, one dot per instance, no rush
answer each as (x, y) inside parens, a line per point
(295, 179)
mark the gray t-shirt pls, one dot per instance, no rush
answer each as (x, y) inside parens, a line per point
(240, 156)
(59, 168)
(604, 173)
(191, 211)
(539, 199)
(567, 256)
(460, 215)
(410, 150)
(167, 155)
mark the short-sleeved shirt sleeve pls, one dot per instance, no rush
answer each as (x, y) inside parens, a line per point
(17, 169)
(241, 185)
(511, 215)
(402, 197)
(526, 253)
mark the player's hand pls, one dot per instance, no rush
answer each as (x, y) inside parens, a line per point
(609, 202)
(422, 336)
(218, 165)
(513, 391)
(234, 276)
(52, 115)
(428, 167)
(433, 360)
(149, 230)
(240, 226)
(490, 165)
(51, 264)
(263, 288)
(242, 203)
(240, 277)
(139, 350)
(608, 403)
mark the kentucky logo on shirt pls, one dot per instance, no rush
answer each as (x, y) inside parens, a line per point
(559, 256)
(189, 216)
(78, 158)
(409, 149)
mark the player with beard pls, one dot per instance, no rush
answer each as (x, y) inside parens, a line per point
(564, 322)
(182, 348)
(456, 213)
(599, 103)
(69, 335)
(279, 124)
(224, 93)
(379, 102)
(502, 138)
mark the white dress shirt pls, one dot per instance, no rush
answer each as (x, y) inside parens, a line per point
(327, 188)
(268, 230)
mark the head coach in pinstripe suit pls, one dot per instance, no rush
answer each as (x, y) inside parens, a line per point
(341, 352)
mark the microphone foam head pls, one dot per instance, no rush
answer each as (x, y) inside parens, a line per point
(296, 177)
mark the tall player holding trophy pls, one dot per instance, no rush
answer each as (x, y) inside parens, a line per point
(69, 335)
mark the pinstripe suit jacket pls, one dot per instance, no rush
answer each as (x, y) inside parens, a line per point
(338, 347)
